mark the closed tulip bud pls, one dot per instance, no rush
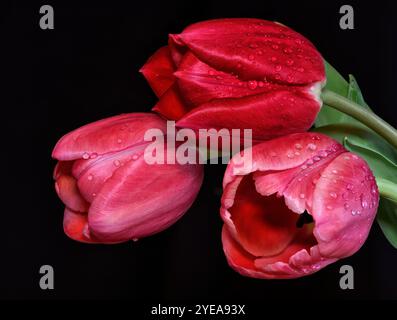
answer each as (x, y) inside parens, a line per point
(238, 74)
(110, 192)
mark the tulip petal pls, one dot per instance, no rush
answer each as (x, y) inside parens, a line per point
(107, 135)
(158, 71)
(199, 83)
(255, 49)
(142, 199)
(346, 195)
(265, 226)
(267, 114)
(177, 49)
(66, 187)
(171, 104)
(92, 174)
(75, 226)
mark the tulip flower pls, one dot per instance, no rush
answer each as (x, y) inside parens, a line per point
(303, 203)
(111, 194)
(238, 73)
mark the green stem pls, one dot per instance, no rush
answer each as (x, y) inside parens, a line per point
(387, 189)
(363, 115)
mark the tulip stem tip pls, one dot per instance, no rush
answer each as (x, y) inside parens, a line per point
(365, 116)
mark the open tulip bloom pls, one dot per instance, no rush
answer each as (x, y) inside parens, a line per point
(305, 200)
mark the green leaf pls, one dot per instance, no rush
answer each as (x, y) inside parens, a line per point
(387, 219)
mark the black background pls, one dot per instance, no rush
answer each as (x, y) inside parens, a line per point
(54, 81)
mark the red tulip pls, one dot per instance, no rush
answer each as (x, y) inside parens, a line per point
(238, 73)
(268, 234)
(111, 194)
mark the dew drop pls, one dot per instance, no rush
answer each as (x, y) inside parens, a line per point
(134, 157)
(346, 157)
(277, 67)
(346, 206)
(135, 239)
(211, 72)
(304, 167)
(345, 196)
(349, 186)
(333, 195)
(312, 146)
(329, 207)
(290, 62)
(354, 157)
(364, 203)
(119, 141)
(251, 57)
(252, 84)
(323, 154)
(334, 171)
(373, 189)
(290, 155)
(298, 146)
(297, 153)
(116, 163)
(302, 196)
(260, 52)
(90, 177)
(316, 138)
(93, 155)
(260, 84)
(309, 162)
(316, 159)
(277, 76)
(274, 59)
(275, 46)
(314, 181)
(299, 179)
(86, 155)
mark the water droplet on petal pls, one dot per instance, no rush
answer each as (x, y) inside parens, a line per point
(349, 186)
(312, 146)
(94, 194)
(277, 67)
(329, 207)
(274, 59)
(275, 46)
(316, 159)
(119, 141)
(298, 146)
(86, 155)
(116, 163)
(346, 157)
(290, 155)
(314, 181)
(334, 171)
(346, 205)
(252, 84)
(333, 195)
(135, 239)
(251, 57)
(302, 196)
(373, 189)
(299, 179)
(93, 155)
(134, 157)
(354, 157)
(297, 153)
(90, 177)
(309, 162)
(290, 62)
(304, 167)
